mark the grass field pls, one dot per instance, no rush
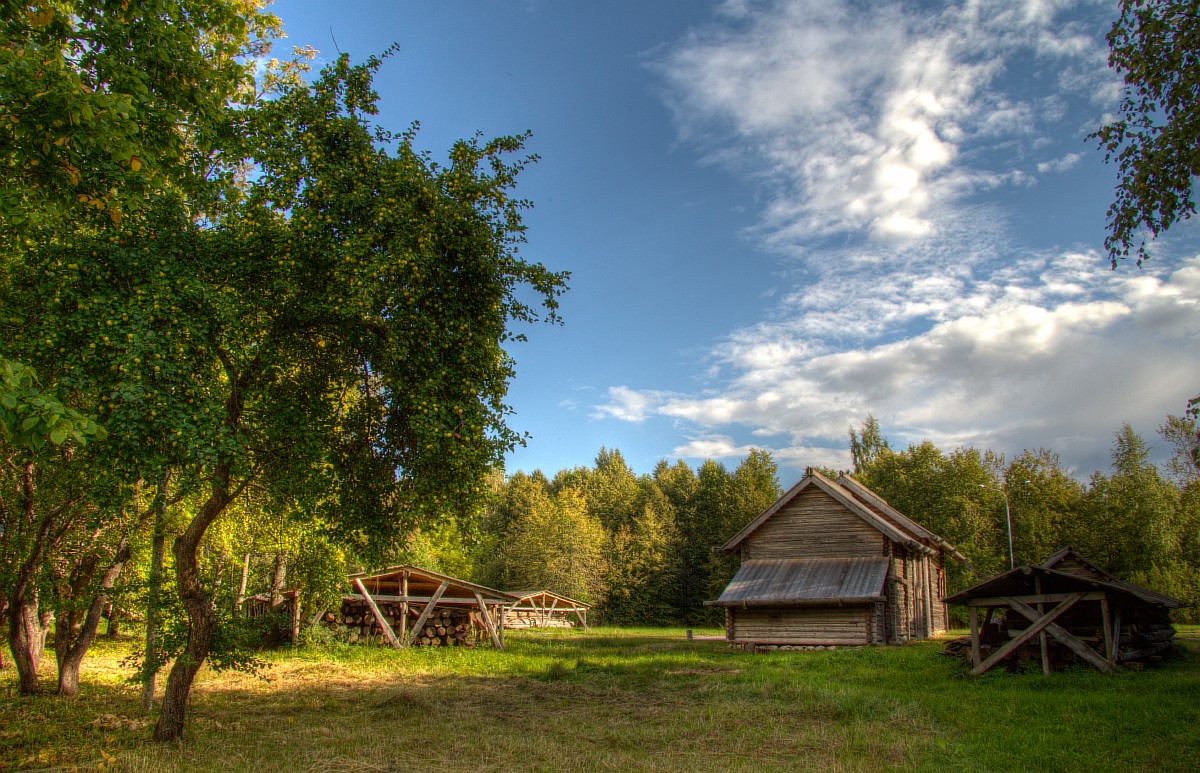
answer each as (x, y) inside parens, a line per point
(619, 700)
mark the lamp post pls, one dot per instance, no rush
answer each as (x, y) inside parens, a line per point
(1008, 519)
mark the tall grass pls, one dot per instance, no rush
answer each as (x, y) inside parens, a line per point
(628, 699)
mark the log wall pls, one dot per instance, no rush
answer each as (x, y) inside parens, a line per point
(802, 625)
(813, 525)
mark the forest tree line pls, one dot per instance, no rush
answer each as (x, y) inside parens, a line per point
(642, 547)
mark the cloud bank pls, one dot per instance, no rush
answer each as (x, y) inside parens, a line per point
(893, 146)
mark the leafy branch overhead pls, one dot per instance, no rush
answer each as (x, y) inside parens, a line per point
(30, 418)
(1155, 142)
(102, 102)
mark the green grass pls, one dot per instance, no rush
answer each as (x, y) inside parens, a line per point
(619, 699)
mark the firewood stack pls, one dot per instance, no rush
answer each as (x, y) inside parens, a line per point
(1146, 642)
(534, 618)
(445, 626)
(1142, 643)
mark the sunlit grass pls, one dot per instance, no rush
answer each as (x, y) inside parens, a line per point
(618, 699)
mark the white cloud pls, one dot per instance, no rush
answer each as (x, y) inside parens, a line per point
(629, 405)
(725, 448)
(1069, 161)
(857, 118)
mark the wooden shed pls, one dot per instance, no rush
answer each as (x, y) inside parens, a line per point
(831, 563)
(407, 605)
(1066, 609)
(543, 609)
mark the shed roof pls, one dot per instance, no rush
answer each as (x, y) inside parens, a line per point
(423, 583)
(1068, 561)
(806, 582)
(1020, 582)
(543, 596)
(861, 501)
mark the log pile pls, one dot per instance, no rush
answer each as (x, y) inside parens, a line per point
(535, 618)
(445, 626)
(1145, 642)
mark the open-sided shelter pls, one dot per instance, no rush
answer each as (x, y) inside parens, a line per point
(543, 609)
(408, 605)
(288, 605)
(831, 563)
(1066, 607)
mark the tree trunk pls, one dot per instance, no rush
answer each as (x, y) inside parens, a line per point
(201, 614)
(26, 640)
(72, 644)
(114, 619)
(27, 624)
(151, 663)
(241, 597)
(278, 579)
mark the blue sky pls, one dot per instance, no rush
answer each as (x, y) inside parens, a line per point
(782, 216)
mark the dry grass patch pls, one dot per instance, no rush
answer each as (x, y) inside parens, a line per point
(619, 700)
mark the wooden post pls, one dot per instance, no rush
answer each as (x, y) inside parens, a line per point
(975, 655)
(1061, 634)
(1041, 610)
(1040, 623)
(1044, 623)
(1117, 634)
(1106, 623)
(433, 600)
(497, 642)
(404, 605)
(383, 623)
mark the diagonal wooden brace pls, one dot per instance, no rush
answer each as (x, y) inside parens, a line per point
(1063, 635)
(487, 621)
(1040, 622)
(420, 624)
(383, 623)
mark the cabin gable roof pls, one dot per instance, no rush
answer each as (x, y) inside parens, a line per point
(857, 500)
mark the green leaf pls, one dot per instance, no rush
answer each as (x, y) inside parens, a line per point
(59, 433)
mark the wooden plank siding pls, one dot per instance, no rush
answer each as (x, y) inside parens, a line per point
(811, 626)
(813, 525)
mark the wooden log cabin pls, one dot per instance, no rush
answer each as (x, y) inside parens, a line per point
(1065, 611)
(831, 563)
